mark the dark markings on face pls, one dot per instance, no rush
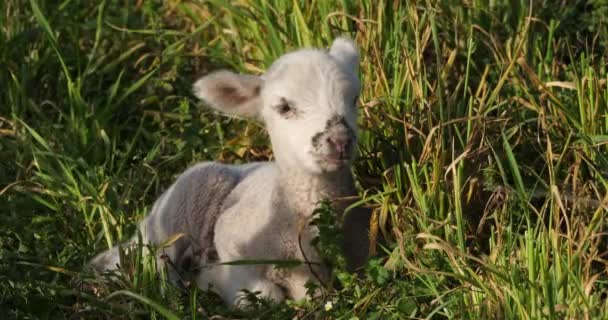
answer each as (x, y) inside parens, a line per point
(316, 139)
(335, 121)
(286, 109)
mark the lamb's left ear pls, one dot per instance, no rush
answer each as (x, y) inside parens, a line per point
(345, 50)
(230, 93)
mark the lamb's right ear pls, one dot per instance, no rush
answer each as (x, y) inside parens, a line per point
(230, 93)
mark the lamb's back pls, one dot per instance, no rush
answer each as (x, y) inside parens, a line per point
(193, 204)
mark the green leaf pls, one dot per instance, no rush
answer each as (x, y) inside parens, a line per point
(147, 301)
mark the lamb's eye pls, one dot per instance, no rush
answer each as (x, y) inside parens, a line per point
(284, 108)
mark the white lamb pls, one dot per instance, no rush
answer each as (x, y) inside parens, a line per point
(261, 211)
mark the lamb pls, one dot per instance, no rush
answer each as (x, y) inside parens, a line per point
(258, 211)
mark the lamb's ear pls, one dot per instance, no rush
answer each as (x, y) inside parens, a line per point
(345, 50)
(231, 93)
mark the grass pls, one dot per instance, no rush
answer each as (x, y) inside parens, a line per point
(483, 151)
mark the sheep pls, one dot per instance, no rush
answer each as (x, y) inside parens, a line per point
(257, 211)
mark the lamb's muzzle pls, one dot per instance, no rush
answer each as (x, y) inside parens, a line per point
(335, 145)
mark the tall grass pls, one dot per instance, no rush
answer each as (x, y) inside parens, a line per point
(482, 151)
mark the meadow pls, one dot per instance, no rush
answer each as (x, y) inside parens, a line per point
(482, 151)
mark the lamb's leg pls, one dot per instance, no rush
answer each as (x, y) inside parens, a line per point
(230, 281)
(106, 261)
(295, 280)
(110, 260)
(296, 283)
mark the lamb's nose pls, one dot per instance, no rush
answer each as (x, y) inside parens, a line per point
(339, 142)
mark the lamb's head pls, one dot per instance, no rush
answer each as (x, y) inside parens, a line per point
(307, 100)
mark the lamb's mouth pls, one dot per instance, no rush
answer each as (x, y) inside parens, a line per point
(334, 160)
